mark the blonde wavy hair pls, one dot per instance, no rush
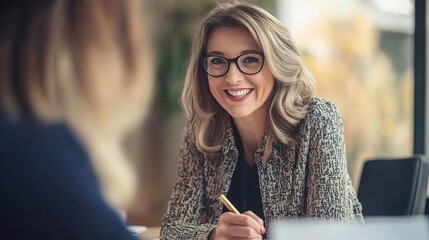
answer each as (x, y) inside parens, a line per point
(85, 63)
(294, 85)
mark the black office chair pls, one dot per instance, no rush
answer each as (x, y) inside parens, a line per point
(427, 206)
(394, 187)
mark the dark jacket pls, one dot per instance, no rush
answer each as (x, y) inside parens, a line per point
(48, 189)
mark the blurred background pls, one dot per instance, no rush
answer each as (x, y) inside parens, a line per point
(360, 52)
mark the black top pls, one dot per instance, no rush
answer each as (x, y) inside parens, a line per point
(244, 192)
(48, 189)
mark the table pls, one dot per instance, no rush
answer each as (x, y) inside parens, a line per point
(152, 233)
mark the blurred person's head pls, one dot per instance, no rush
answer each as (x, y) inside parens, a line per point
(85, 63)
(293, 84)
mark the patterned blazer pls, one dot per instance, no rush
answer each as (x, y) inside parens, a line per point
(307, 179)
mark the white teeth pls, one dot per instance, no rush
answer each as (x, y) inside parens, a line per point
(240, 93)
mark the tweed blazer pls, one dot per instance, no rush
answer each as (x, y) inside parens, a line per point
(306, 179)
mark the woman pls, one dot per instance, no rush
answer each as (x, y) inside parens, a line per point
(75, 77)
(255, 133)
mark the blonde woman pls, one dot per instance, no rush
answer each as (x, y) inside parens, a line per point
(255, 133)
(75, 77)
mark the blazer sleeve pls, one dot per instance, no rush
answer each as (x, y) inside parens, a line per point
(330, 194)
(185, 210)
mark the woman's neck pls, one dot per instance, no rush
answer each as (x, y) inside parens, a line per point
(251, 130)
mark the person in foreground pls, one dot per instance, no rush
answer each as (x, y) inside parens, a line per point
(256, 134)
(75, 78)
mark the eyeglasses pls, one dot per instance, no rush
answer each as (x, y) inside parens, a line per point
(248, 63)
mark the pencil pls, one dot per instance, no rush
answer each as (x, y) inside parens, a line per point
(228, 204)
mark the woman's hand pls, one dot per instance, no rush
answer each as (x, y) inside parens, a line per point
(238, 226)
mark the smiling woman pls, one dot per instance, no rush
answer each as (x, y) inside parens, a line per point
(255, 133)
(244, 87)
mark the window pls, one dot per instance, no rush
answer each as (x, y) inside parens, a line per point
(360, 53)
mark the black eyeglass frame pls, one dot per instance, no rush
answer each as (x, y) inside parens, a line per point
(233, 60)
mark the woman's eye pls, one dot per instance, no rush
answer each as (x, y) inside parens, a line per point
(217, 61)
(251, 60)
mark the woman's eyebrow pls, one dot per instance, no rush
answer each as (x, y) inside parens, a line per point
(215, 53)
(242, 52)
(251, 51)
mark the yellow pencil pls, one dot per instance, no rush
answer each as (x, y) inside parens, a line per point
(228, 204)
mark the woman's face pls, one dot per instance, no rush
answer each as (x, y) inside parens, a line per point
(240, 94)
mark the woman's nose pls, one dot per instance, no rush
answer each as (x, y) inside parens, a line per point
(234, 75)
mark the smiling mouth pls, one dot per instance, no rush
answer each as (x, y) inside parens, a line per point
(239, 93)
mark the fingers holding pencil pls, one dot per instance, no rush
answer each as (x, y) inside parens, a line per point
(235, 225)
(231, 208)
